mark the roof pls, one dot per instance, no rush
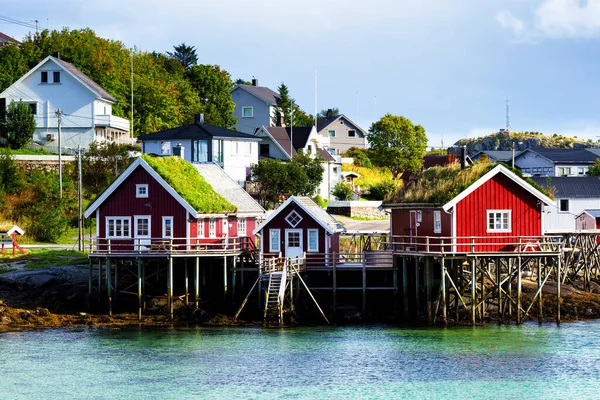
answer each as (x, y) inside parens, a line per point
(499, 169)
(595, 151)
(351, 173)
(180, 179)
(496, 155)
(594, 213)
(433, 160)
(199, 130)
(229, 189)
(324, 122)
(10, 229)
(298, 134)
(264, 93)
(324, 219)
(5, 38)
(325, 155)
(566, 156)
(571, 187)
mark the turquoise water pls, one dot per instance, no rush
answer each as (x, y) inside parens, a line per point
(508, 362)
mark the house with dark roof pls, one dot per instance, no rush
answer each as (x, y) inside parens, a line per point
(573, 196)
(284, 142)
(164, 204)
(4, 39)
(200, 142)
(504, 156)
(555, 162)
(342, 132)
(86, 108)
(254, 106)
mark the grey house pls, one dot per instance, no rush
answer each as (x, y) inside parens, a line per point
(254, 106)
(342, 133)
(555, 162)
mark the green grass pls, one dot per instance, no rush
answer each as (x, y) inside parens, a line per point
(36, 152)
(187, 181)
(368, 219)
(69, 237)
(45, 258)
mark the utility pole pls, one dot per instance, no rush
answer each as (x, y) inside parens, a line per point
(59, 115)
(291, 129)
(79, 205)
(131, 133)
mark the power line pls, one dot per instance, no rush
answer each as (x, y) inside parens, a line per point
(16, 22)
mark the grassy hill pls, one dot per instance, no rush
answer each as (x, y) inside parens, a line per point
(522, 141)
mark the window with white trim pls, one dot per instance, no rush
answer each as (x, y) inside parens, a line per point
(313, 240)
(201, 227)
(141, 191)
(247, 112)
(44, 77)
(331, 132)
(235, 147)
(498, 221)
(563, 205)
(167, 227)
(212, 227)
(142, 224)
(437, 221)
(293, 219)
(351, 133)
(118, 227)
(56, 77)
(241, 227)
(274, 239)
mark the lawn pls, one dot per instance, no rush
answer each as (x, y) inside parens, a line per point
(44, 258)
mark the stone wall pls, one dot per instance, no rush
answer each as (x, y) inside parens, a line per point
(362, 209)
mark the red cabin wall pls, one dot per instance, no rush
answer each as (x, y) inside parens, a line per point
(401, 228)
(498, 193)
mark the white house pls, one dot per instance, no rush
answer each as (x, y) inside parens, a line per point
(200, 142)
(555, 162)
(283, 143)
(254, 106)
(342, 132)
(573, 196)
(85, 107)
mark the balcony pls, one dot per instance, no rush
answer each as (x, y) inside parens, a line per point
(111, 121)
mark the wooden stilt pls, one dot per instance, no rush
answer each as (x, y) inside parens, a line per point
(139, 269)
(482, 302)
(233, 278)
(417, 289)
(197, 282)
(90, 284)
(519, 272)
(108, 286)
(473, 290)
(99, 278)
(540, 299)
(116, 287)
(510, 279)
(364, 288)
(334, 277)
(405, 287)
(225, 288)
(558, 276)
(428, 282)
(499, 287)
(187, 282)
(395, 283)
(143, 287)
(444, 304)
(170, 287)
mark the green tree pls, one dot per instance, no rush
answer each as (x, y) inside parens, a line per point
(103, 162)
(240, 81)
(185, 54)
(313, 168)
(334, 112)
(283, 107)
(19, 124)
(595, 168)
(362, 157)
(342, 191)
(212, 85)
(12, 65)
(397, 144)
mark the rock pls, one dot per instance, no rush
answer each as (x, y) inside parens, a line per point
(5, 321)
(82, 314)
(24, 315)
(42, 312)
(200, 316)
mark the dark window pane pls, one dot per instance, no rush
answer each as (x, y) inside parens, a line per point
(56, 77)
(44, 77)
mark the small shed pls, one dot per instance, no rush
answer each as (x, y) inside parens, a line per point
(8, 235)
(297, 227)
(588, 220)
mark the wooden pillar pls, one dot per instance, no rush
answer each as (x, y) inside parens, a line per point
(292, 305)
(499, 285)
(482, 277)
(233, 278)
(225, 289)
(364, 287)
(170, 287)
(99, 278)
(457, 272)
(519, 272)
(116, 287)
(428, 271)
(139, 273)
(187, 282)
(143, 287)
(334, 287)
(540, 299)
(405, 287)
(90, 284)
(473, 290)
(510, 279)
(444, 304)
(108, 286)
(558, 277)
(395, 283)
(197, 282)
(417, 289)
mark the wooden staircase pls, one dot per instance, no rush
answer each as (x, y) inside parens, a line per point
(274, 297)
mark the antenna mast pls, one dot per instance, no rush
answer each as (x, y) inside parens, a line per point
(508, 114)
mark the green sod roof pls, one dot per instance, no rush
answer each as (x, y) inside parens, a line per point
(189, 184)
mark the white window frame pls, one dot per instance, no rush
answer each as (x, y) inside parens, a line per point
(568, 206)
(235, 148)
(309, 248)
(164, 227)
(437, 221)
(289, 215)
(244, 109)
(130, 227)
(330, 131)
(277, 248)
(136, 218)
(351, 130)
(54, 75)
(241, 227)
(201, 227)
(138, 188)
(212, 227)
(501, 212)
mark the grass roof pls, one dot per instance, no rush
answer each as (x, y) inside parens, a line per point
(187, 181)
(440, 184)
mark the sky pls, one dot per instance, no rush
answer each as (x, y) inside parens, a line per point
(448, 65)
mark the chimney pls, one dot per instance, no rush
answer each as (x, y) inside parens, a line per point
(254, 82)
(56, 54)
(329, 113)
(463, 157)
(199, 118)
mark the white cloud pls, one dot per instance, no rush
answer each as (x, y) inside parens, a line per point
(556, 19)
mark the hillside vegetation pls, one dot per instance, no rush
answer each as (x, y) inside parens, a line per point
(522, 141)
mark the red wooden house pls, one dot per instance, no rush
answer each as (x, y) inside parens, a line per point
(300, 226)
(492, 214)
(164, 203)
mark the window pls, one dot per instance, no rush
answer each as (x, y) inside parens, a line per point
(548, 169)
(141, 191)
(235, 147)
(331, 133)
(247, 112)
(241, 227)
(165, 148)
(274, 241)
(341, 122)
(264, 149)
(527, 170)
(563, 205)
(167, 227)
(201, 227)
(218, 151)
(293, 219)
(498, 221)
(419, 216)
(352, 133)
(44, 78)
(118, 227)
(313, 240)
(310, 149)
(249, 148)
(212, 227)
(564, 171)
(142, 226)
(199, 151)
(580, 171)
(331, 151)
(293, 239)
(56, 77)
(437, 222)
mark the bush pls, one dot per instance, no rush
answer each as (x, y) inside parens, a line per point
(48, 226)
(320, 201)
(342, 191)
(382, 190)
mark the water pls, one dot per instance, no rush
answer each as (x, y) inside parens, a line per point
(317, 363)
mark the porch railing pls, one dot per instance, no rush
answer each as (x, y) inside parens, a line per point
(161, 245)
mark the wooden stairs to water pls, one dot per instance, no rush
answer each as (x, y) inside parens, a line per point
(274, 298)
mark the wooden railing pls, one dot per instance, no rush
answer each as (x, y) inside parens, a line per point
(171, 245)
